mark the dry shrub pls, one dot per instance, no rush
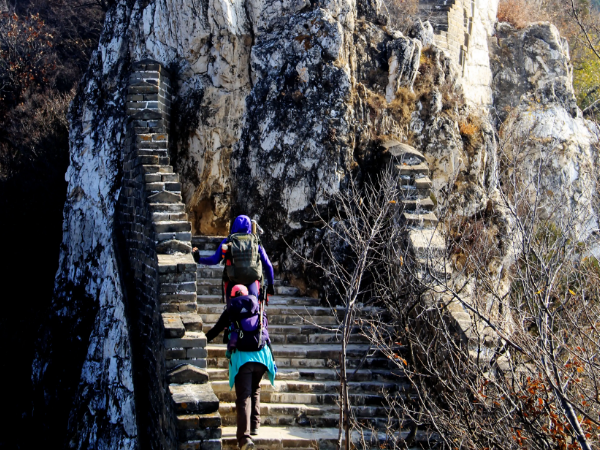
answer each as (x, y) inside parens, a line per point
(376, 101)
(520, 13)
(467, 129)
(401, 13)
(470, 131)
(403, 105)
(474, 243)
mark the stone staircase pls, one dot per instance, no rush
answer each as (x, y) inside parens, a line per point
(424, 243)
(301, 410)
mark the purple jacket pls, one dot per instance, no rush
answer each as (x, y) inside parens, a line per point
(241, 224)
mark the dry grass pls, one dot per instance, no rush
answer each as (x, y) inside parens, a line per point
(402, 107)
(520, 13)
(470, 131)
(467, 129)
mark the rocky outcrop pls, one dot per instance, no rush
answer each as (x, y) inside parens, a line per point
(531, 64)
(543, 133)
(82, 370)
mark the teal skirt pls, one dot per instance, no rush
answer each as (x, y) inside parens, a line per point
(264, 356)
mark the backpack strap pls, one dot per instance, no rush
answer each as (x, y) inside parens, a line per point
(224, 277)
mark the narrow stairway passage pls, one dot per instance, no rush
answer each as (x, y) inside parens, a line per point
(301, 410)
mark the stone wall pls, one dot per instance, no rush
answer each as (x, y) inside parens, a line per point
(465, 38)
(177, 407)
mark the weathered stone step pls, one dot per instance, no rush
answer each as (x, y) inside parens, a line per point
(425, 220)
(168, 216)
(403, 153)
(273, 300)
(161, 177)
(284, 319)
(427, 244)
(405, 169)
(308, 363)
(288, 438)
(309, 356)
(279, 309)
(158, 186)
(167, 207)
(410, 192)
(425, 204)
(281, 338)
(312, 387)
(216, 281)
(297, 414)
(215, 289)
(301, 351)
(155, 168)
(320, 374)
(423, 183)
(173, 226)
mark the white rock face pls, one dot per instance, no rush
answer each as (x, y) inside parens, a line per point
(543, 134)
(86, 340)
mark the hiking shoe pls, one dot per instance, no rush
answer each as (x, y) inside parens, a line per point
(254, 432)
(249, 445)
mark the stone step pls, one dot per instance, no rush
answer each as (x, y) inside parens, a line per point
(405, 169)
(212, 299)
(410, 192)
(305, 363)
(425, 204)
(288, 438)
(173, 226)
(322, 351)
(161, 152)
(308, 398)
(170, 246)
(168, 216)
(210, 319)
(281, 338)
(155, 168)
(309, 356)
(161, 177)
(427, 244)
(280, 309)
(403, 153)
(167, 207)
(321, 374)
(215, 288)
(423, 183)
(295, 438)
(420, 220)
(170, 186)
(297, 414)
(314, 387)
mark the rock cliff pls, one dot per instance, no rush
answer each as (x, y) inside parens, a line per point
(276, 105)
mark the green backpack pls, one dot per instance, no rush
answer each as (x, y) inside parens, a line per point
(243, 265)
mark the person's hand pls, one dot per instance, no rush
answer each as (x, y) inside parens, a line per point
(270, 290)
(195, 249)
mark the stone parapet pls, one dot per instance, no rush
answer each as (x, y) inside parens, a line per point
(178, 408)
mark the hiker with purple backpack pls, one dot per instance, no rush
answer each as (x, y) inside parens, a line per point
(245, 320)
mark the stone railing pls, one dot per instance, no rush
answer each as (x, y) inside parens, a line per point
(176, 405)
